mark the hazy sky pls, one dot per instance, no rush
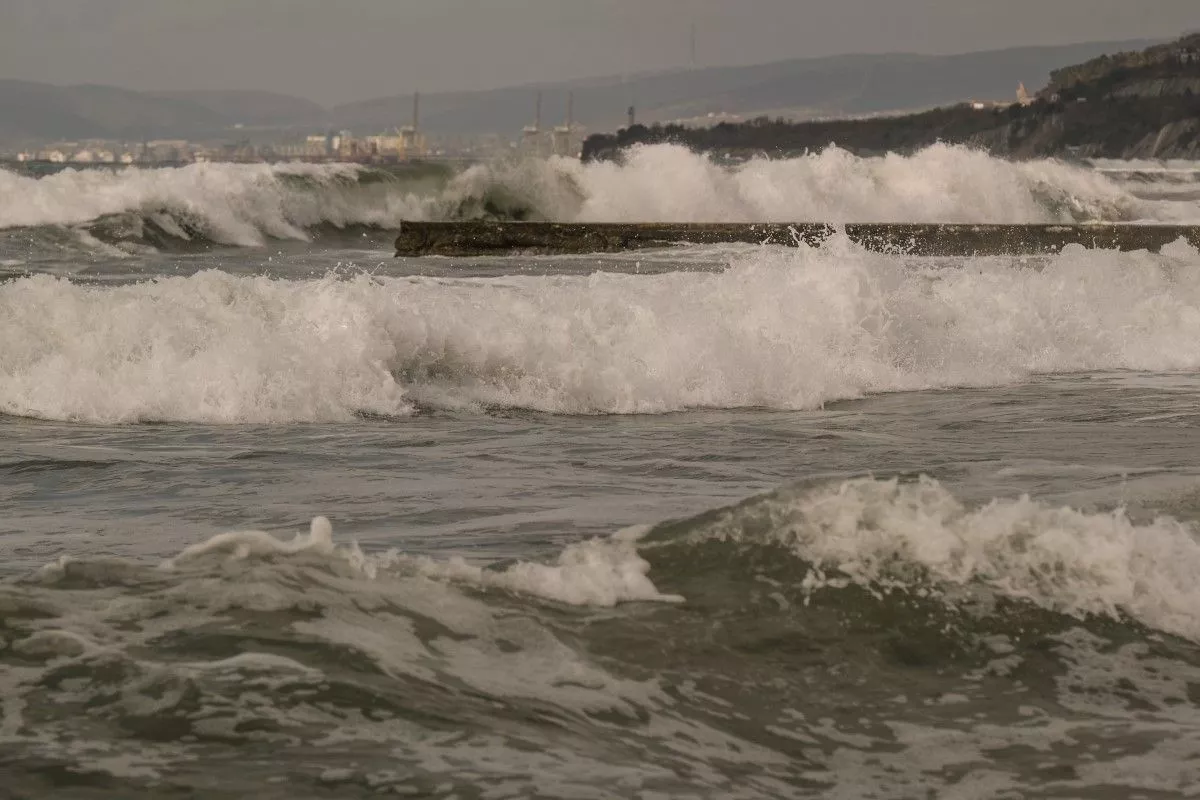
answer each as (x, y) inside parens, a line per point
(341, 50)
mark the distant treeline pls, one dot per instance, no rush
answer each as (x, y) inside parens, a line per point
(1113, 108)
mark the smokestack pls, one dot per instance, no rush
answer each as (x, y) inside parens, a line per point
(570, 109)
(416, 111)
(693, 51)
(632, 116)
(537, 117)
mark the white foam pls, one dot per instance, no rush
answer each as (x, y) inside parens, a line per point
(875, 532)
(598, 572)
(786, 329)
(1168, 166)
(240, 545)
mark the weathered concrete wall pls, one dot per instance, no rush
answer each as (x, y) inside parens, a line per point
(498, 238)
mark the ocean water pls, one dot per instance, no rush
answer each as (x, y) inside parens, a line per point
(282, 516)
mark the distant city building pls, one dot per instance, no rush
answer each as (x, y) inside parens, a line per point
(534, 144)
(318, 146)
(561, 140)
(412, 143)
(167, 150)
(92, 156)
(404, 143)
(568, 137)
(399, 144)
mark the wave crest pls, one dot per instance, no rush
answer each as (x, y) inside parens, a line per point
(916, 536)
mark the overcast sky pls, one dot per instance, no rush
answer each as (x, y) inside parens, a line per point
(341, 50)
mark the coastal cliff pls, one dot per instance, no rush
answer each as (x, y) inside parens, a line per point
(1143, 104)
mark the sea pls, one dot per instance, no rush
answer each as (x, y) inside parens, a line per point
(285, 517)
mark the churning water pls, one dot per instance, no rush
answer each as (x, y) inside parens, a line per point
(281, 515)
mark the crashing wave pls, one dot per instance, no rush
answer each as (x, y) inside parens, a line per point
(367, 672)
(249, 205)
(915, 537)
(784, 329)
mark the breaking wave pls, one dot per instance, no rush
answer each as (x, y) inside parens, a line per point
(248, 205)
(883, 535)
(864, 637)
(780, 328)
(915, 537)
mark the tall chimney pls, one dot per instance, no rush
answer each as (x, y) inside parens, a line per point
(416, 111)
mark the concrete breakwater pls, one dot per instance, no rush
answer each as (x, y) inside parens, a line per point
(479, 238)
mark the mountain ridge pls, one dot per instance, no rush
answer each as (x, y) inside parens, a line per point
(802, 87)
(1143, 104)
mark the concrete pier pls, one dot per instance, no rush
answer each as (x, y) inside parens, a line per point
(500, 238)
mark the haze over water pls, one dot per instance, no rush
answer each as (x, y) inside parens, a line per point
(702, 522)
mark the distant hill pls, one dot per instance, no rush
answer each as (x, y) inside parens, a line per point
(800, 88)
(133, 114)
(1141, 104)
(35, 109)
(243, 107)
(39, 111)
